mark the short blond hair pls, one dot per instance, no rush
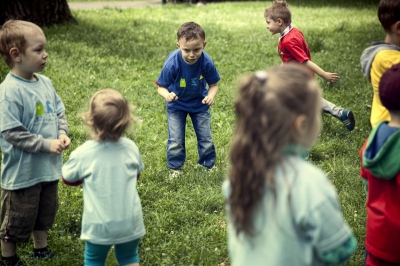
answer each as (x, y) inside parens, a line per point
(279, 9)
(13, 34)
(109, 115)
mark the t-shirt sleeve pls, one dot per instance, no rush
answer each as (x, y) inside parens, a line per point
(211, 74)
(167, 74)
(296, 49)
(71, 169)
(326, 226)
(10, 113)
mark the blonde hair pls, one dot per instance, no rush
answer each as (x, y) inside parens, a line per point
(109, 115)
(279, 9)
(266, 109)
(13, 34)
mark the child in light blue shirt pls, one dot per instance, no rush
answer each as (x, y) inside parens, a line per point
(33, 134)
(108, 166)
(281, 209)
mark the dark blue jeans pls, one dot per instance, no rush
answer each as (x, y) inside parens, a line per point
(176, 153)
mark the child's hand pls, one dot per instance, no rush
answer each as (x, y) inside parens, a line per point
(171, 97)
(65, 140)
(56, 146)
(331, 77)
(208, 100)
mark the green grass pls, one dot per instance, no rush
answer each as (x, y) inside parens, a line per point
(105, 0)
(126, 49)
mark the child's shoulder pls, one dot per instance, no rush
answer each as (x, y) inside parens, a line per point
(310, 179)
(387, 58)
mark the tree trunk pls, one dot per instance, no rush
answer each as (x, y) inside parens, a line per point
(40, 12)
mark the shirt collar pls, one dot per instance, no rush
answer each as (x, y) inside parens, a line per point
(286, 31)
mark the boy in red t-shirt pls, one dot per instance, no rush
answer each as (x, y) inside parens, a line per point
(292, 47)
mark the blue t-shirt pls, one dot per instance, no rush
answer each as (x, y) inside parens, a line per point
(188, 82)
(35, 106)
(112, 212)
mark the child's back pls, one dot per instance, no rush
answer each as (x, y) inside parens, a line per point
(109, 167)
(109, 170)
(293, 224)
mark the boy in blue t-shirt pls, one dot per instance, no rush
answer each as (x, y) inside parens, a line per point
(33, 134)
(182, 83)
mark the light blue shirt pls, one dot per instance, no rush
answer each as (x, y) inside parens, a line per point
(33, 105)
(305, 219)
(112, 212)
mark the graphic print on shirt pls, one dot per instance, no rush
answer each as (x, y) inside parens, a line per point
(182, 83)
(39, 109)
(48, 105)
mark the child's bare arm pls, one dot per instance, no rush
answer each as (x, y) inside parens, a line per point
(328, 76)
(168, 96)
(212, 92)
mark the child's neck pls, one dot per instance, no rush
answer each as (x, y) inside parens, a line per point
(394, 121)
(283, 27)
(392, 39)
(23, 75)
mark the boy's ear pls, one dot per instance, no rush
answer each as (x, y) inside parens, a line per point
(279, 21)
(397, 27)
(204, 44)
(177, 45)
(15, 55)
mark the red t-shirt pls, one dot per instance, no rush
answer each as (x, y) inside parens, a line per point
(293, 47)
(383, 220)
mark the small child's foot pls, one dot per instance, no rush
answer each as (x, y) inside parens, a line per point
(206, 169)
(12, 261)
(347, 118)
(175, 173)
(43, 253)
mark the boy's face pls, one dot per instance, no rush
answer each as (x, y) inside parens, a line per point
(191, 50)
(33, 59)
(274, 26)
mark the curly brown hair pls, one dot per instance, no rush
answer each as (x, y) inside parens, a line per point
(266, 109)
(109, 115)
(190, 31)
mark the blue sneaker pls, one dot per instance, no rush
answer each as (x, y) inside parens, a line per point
(347, 118)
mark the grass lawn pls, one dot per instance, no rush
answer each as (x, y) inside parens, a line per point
(104, 0)
(126, 49)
